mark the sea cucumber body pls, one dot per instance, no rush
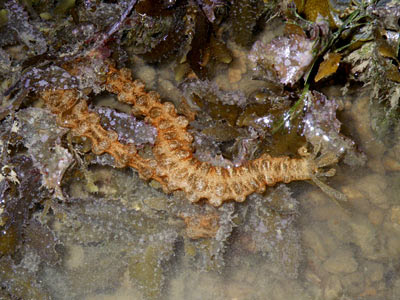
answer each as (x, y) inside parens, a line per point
(173, 164)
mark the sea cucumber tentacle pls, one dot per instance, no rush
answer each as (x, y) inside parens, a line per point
(173, 166)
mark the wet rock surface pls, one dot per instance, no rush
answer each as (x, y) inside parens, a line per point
(75, 227)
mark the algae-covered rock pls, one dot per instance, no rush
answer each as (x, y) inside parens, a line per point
(18, 282)
(121, 238)
(285, 59)
(209, 92)
(268, 229)
(42, 137)
(129, 129)
(19, 193)
(322, 129)
(207, 231)
(146, 269)
(28, 34)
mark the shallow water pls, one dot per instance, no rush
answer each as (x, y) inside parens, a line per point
(99, 232)
(340, 250)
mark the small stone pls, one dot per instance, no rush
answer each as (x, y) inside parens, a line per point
(155, 184)
(395, 214)
(365, 237)
(353, 283)
(156, 203)
(395, 292)
(234, 75)
(342, 261)
(75, 258)
(168, 91)
(362, 123)
(376, 165)
(373, 271)
(285, 289)
(321, 208)
(376, 216)
(351, 192)
(374, 187)
(331, 211)
(312, 277)
(391, 164)
(147, 74)
(333, 288)
(340, 229)
(239, 60)
(319, 242)
(370, 292)
(391, 161)
(393, 244)
(222, 83)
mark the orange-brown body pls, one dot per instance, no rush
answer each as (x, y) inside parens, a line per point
(173, 164)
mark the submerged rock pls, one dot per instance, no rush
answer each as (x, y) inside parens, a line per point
(322, 129)
(285, 59)
(268, 228)
(342, 261)
(207, 231)
(129, 129)
(42, 137)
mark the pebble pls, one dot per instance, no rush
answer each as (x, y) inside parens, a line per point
(375, 216)
(393, 244)
(351, 192)
(169, 91)
(315, 264)
(391, 164)
(237, 67)
(147, 74)
(373, 271)
(240, 61)
(374, 187)
(395, 214)
(75, 258)
(376, 165)
(222, 82)
(320, 242)
(314, 198)
(354, 283)
(328, 212)
(310, 276)
(391, 161)
(320, 207)
(287, 289)
(342, 261)
(361, 116)
(333, 288)
(361, 205)
(340, 229)
(365, 237)
(395, 292)
(234, 75)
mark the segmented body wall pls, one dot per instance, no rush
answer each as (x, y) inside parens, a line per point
(173, 164)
